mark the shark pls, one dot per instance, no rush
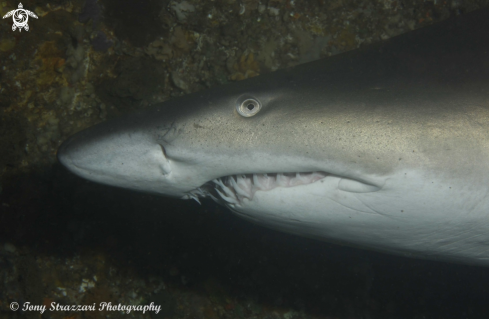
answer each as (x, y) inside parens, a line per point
(385, 147)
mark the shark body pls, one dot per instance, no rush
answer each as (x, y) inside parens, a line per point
(385, 147)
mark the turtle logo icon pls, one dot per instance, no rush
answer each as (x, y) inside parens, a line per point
(20, 17)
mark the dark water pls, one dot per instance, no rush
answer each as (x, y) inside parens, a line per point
(61, 215)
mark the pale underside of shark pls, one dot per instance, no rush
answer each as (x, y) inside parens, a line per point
(386, 147)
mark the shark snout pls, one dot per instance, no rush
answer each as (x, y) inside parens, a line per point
(119, 158)
(79, 151)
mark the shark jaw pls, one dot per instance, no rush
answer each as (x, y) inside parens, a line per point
(235, 191)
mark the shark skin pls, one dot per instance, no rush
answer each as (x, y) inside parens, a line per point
(385, 147)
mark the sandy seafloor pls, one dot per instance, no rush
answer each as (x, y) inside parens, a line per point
(68, 241)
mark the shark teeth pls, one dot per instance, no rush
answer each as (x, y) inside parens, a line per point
(195, 194)
(234, 189)
(231, 200)
(263, 181)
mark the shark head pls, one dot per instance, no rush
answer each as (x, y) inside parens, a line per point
(232, 141)
(358, 149)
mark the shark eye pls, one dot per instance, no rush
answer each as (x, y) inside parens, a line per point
(248, 106)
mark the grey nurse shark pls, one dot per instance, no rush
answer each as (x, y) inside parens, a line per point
(385, 147)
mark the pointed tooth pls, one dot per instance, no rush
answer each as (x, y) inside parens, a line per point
(233, 182)
(242, 188)
(225, 188)
(191, 196)
(226, 198)
(196, 199)
(256, 181)
(201, 192)
(213, 197)
(218, 182)
(220, 194)
(241, 180)
(243, 194)
(229, 192)
(237, 189)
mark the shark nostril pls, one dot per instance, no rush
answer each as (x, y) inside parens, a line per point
(165, 162)
(163, 151)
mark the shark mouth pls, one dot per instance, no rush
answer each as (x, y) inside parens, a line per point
(235, 188)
